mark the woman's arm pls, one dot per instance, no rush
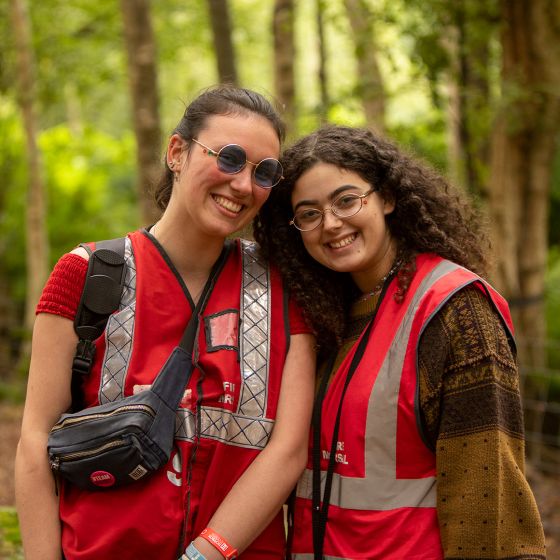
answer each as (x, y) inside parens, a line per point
(258, 495)
(469, 390)
(48, 396)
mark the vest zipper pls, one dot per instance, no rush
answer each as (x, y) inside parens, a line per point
(196, 441)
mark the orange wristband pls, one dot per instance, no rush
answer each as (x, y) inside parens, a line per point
(219, 543)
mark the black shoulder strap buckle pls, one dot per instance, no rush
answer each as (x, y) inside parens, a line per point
(85, 352)
(101, 297)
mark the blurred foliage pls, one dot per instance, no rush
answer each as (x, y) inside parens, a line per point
(80, 62)
(10, 540)
(13, 391)
(90, 189)
(84, 110)
(90, 175)
(425, 138)
(12, 199)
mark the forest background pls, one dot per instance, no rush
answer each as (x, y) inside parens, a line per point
(89, 92)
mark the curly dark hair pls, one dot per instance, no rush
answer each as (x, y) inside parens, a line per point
(223, 99)
(429, 216)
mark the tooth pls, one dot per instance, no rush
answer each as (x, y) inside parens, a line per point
(228, 204)
(343, 242)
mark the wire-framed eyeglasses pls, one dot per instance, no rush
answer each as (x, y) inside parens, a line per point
(232, 159)
(344, 206)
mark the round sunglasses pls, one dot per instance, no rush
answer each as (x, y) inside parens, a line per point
(232, 159)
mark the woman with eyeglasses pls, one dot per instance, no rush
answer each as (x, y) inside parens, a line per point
(417, 444)
(242, 425)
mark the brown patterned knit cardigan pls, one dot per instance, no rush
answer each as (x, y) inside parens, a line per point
(471, 410)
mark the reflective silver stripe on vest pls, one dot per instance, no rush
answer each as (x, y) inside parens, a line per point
(380, 489)
(248, 426)
(255, 340)
(225, 426)
(119, 336)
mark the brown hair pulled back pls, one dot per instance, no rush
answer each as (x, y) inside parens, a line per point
(429, 217)
(217, 100)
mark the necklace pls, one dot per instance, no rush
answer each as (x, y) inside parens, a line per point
(379, 286)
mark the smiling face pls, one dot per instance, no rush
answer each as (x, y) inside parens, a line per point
(361, 244)
(206, 201)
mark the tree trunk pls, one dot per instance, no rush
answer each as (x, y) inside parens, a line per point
(142, 73)
(470, 26)
(36, 232)
(523, 149)
(322, 74)
(284, 56)
(73, 110)
(455, 148)
(475, 24)
(370, 82)
(223, 45)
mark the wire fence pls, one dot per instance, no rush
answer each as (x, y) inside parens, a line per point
(540, 389)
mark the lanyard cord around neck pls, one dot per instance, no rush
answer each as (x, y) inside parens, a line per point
(187, 340)
(320, 512)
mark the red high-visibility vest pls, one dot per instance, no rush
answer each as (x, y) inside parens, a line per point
(225, 418)
(383, 498)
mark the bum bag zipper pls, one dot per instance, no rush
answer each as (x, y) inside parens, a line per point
(127, 408)
(55, 461)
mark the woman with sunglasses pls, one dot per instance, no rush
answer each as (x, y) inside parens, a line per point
(242, 425)
(417, 446)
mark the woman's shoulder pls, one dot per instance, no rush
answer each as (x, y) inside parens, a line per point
(78, 251)
(468, 325)
(469, 305)
(63, 289)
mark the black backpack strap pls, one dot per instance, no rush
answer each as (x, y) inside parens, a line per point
(101, 296)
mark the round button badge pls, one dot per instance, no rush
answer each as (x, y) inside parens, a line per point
(103, 479)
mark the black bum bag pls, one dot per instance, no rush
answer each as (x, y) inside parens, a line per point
(117, 443)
